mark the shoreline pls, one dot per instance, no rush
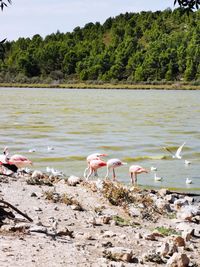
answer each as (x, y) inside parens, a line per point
(108, 86)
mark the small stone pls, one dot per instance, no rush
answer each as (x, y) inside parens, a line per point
(73, 180)
(37, 174)
(108, 234)
(179, 241)
(119, 254)
(33, 194)
(163, 192)
(178, 260)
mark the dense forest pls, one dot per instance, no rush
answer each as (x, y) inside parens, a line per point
(132, 47)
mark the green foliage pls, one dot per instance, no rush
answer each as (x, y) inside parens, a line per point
(132, 47)
(166, 231)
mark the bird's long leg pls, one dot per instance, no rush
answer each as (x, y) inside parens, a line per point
(135, 178)
(131, 175)
(95, 173)
(107, 174)
(90, 173)
(114, 176)
(85, 172)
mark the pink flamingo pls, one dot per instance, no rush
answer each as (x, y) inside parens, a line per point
(4, 161)
(18, 160)
(91, 157)
(95, 164)
(134, 170)
(112, 164)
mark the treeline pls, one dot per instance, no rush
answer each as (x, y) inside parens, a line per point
(132, 47)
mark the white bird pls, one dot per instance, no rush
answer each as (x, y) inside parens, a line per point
(157, 178)
(32, 150)
(56, 172)
(187, 162)
(178, 152)
(188, 181)
(50, 148)
(153, 169)
(48, 169)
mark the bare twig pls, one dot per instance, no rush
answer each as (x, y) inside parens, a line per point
(15, 209)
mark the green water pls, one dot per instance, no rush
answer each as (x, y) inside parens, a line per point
(130, 125)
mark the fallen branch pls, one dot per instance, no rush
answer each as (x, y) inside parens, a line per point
(15, 209)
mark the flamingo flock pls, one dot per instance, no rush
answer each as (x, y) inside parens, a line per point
(95, 161)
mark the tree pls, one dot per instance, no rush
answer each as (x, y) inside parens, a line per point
(4, 3)
(189, 5)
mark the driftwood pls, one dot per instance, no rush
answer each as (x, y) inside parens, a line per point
(15, 209)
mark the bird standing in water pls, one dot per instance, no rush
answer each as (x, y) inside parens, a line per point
(134, 170)
(95, 164)
(92, 157)
(112, 164)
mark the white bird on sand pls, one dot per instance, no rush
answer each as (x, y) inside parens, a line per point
(112, 164)
(188, 181)
(178, 152)
(56, 172)
(48, 169)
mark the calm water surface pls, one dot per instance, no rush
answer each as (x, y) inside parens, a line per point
(130, 125)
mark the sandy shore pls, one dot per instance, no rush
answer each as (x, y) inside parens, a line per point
(95, 224)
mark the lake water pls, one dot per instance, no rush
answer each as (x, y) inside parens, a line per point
(132, 125)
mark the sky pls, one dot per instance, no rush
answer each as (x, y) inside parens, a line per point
(25, 18)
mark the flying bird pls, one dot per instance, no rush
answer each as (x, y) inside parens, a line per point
(178, 152)
(112, 164)
(134, 170)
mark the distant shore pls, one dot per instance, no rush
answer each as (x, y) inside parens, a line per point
(87, 85)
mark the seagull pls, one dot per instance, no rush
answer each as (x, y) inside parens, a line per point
(187, 162)
(112, 164)
(188, 181)
(56, 172)
(157, 178)
(153, 169)
(48, 169)
(178, 152)
(134, 170)
(32, 150)
(50, 148)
